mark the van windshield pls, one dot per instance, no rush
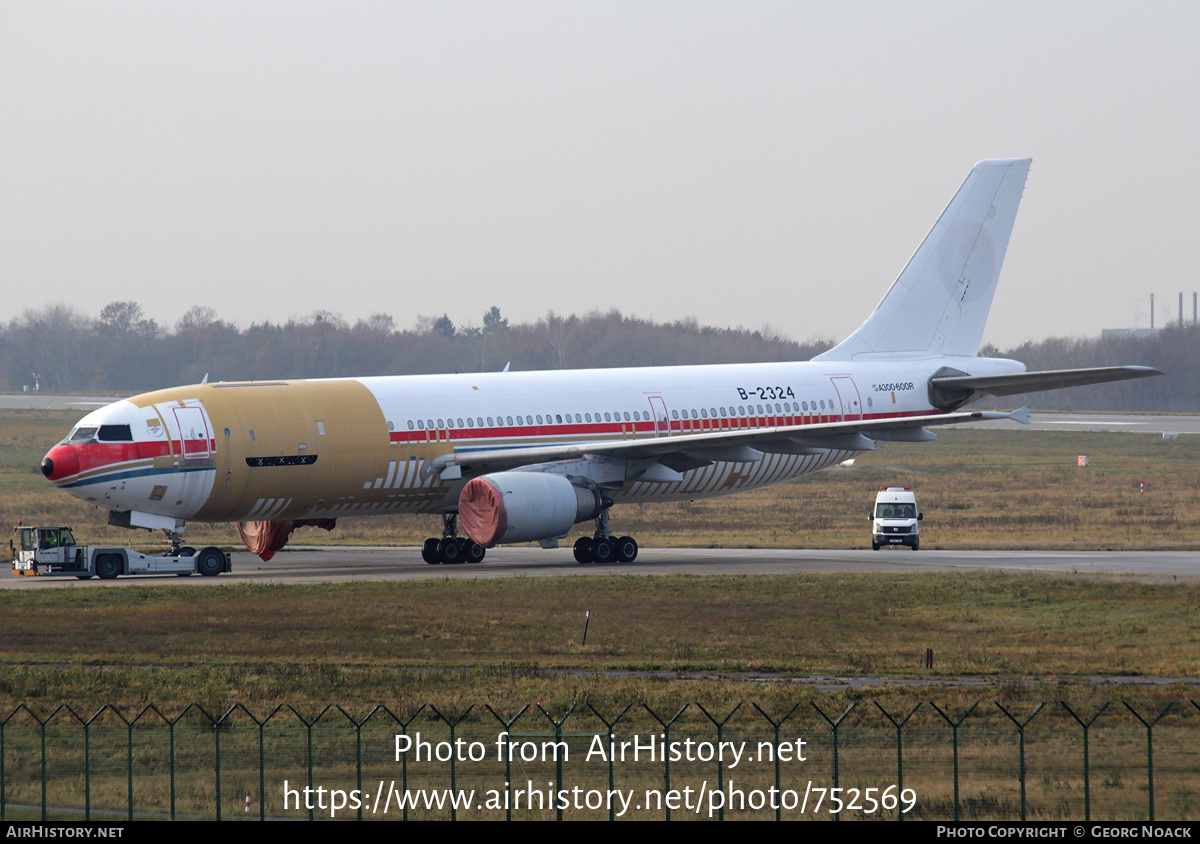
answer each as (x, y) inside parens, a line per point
(896, 511)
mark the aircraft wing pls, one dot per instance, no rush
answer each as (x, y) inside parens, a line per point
(681, 452)
(1030, 382)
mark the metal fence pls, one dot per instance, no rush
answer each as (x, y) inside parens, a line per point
(990, 760)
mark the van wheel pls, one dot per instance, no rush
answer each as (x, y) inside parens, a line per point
(916, 545)
(210, 562)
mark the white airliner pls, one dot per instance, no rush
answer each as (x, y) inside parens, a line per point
(524, 456)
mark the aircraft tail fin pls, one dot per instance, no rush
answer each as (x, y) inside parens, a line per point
(940, 302)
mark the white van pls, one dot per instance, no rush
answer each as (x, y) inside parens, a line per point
(895, 517)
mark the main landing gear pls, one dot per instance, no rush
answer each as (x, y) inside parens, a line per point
(603, 547)
(451, 548)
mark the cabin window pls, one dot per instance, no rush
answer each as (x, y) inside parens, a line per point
(251, 435)
(460, 422)
(321, 427)
(227, 432)
(411, 426)
(421, 424)
(509, 418)
(470, 422)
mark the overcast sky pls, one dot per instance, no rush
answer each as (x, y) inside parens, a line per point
(742, 163)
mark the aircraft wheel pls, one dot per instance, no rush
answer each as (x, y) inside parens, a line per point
(83, 577)
(183, 574)
(583, 550)
(108, 567)
(429, 551)
(449, 551)
(210, 562)
(604, 550)
(475, 552)
(627, 549)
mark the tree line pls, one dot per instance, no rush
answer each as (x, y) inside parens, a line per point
(121, 351)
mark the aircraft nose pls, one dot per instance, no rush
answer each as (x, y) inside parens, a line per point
(60, 462)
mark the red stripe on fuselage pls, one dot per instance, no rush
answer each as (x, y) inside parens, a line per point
(613, 429)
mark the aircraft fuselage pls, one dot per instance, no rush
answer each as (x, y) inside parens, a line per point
(229, 452)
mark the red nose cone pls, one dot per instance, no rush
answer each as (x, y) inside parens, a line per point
(62, 461)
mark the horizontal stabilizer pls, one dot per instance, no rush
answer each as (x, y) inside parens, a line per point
(1030, 382)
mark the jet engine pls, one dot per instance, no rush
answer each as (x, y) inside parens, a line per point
(524, 506)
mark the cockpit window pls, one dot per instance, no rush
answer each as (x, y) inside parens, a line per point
(115, 434)
(82, 435)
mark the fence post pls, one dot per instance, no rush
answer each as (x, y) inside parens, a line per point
(899, 725)
(87, 761)
(775, 752)
(308, 725)
(1087, 769)
(507, 724)
(358, 725)
(453, 725)
(608, 725)
(833, 726)
(954, 725)
(558, 815)
(720, 725)
(1021, 733)
(1149, 725)
(666, 725)
(262, 756)
(3, 793)
(404, 760)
